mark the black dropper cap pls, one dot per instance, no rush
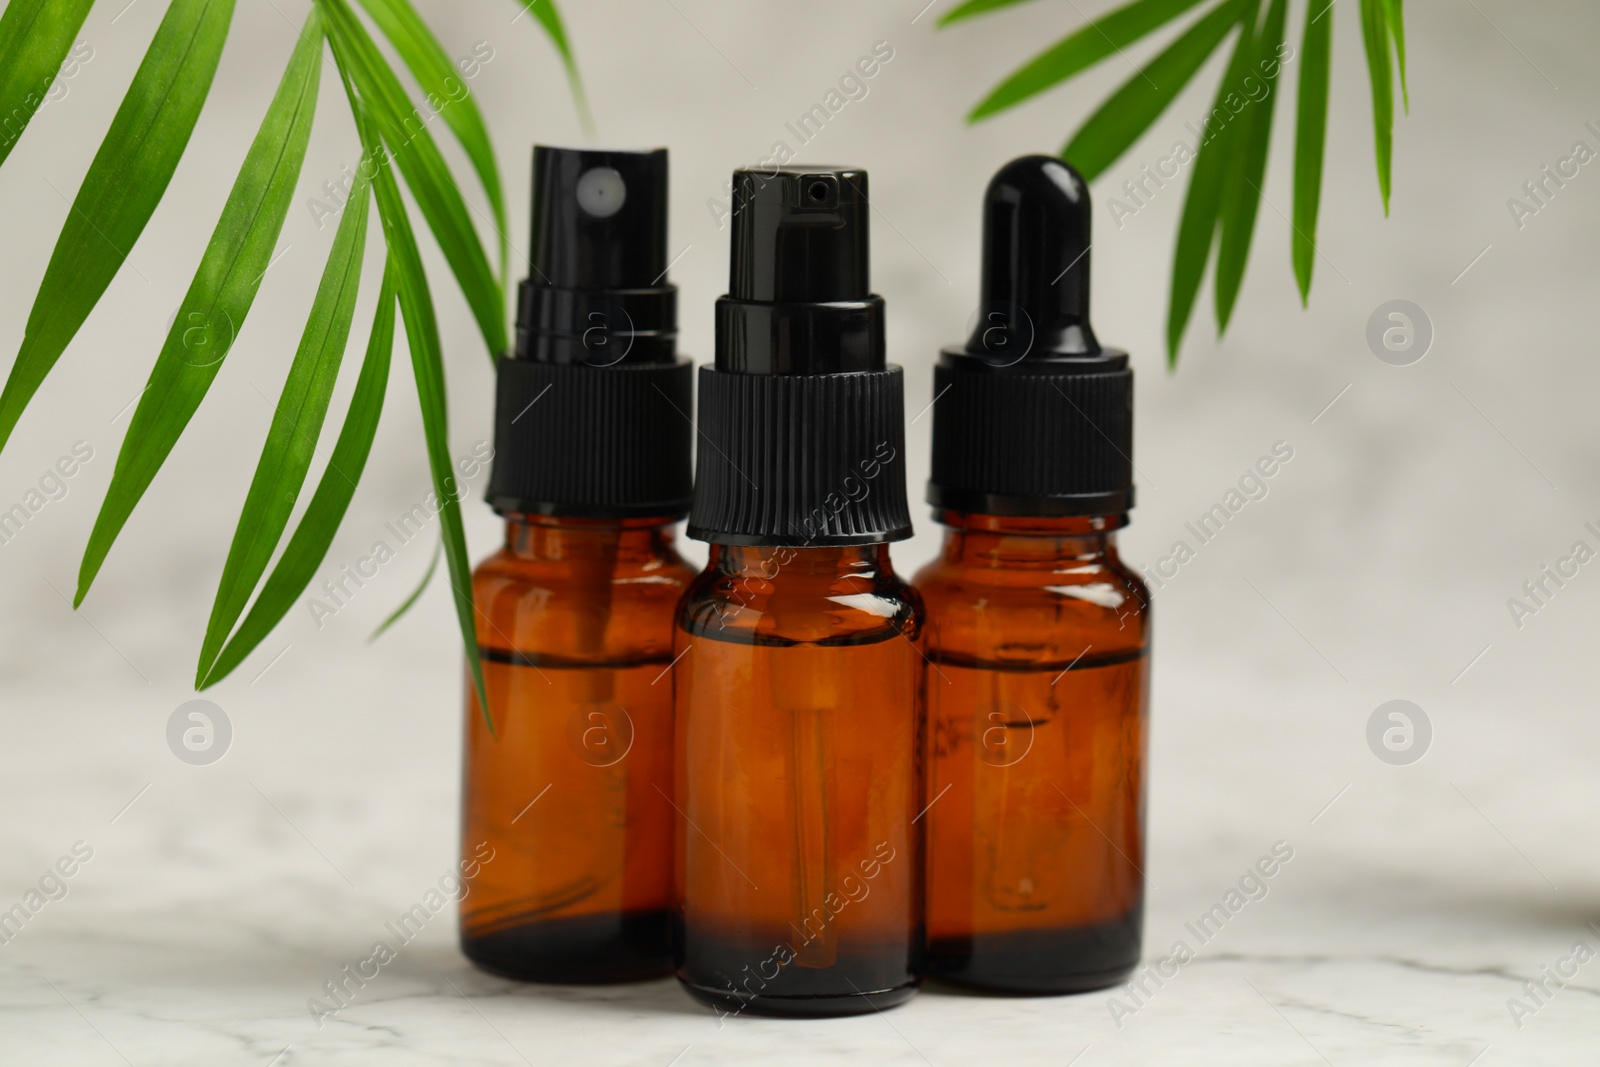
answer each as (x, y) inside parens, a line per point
(1033, 416)
(593, 409)
(802, 418)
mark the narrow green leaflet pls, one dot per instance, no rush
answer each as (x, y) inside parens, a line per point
(1242, 199)
(1311, 130)
(422, 334)
(1123, 118)
(1080, 50)
(406, 131)
(449, 94)
(973, 8)
(309, 543)
(1394, 14)
(1197, 228)
(34, 38)
(549, 17)
(416, 594)
(129, 174)
(219, 297)
(296, 425)
(1375, 35)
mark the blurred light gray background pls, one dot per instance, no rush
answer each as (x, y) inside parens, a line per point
(1419, 500)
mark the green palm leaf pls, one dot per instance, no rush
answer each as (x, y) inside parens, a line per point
(416, 594)
(219, 297)
(973, 8)
(549, 17)
(1375, 36)
(422, 335)
(311, 539)
(1202, 204)
(119, 193)
(296, 425)
(129, 174)
(1311, 129)
(1394, 15)
(1080, 50)
(34, 38)
(1249, 164)
(428, 63)
(1123, 118)
(409, 143)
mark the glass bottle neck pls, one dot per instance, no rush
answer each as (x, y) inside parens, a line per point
(540, 537)
(971, 537)
(826, 563)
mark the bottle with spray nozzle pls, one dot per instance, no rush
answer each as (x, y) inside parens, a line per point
(798, 875)
(566, 792)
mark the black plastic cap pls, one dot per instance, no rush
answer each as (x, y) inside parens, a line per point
(801, 417)
(596, 292)
(593, 411)
(800, 235)
(599, 218)
(1033, 416)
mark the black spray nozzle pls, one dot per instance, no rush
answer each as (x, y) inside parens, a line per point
(799, 291)
(800, 403)
(599, 218)
(596, 292)
(799, 235)
(1036, 237)
(597, 330)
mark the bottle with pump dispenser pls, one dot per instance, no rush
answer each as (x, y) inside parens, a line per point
(1037, 634)
(565, 820)
(798, 882)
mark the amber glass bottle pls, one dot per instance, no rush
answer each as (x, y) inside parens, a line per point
(799, 877)
(798, 886)
(1036, 746)
(575, 632)
(1037, 634)
(566, 807)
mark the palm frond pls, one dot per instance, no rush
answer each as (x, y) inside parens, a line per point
(1311, 132)
(1224, 192)
(296, 425)
(129, 174)
(34, 38)
(450, 97)
(126, 181)
(1248, 167)
(219, 297)
(422, 335)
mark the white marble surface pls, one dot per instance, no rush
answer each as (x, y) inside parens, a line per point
(220, 898)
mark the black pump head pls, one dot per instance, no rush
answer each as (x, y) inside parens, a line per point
(799, 235)
(1035, 296)
(1038, 419)
(599, 218)
(596, 292)
(801, 412)
(597, 329)
(799, 291)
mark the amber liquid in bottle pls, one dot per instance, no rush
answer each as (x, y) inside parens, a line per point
(798, 882)
(570, 794)
(1037, 645)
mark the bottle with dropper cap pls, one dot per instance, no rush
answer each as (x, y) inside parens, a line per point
(566, 834)
(1037, 632)
(798, 780)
